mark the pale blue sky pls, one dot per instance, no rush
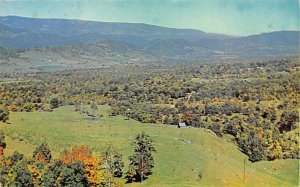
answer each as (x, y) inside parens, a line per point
(235, 17)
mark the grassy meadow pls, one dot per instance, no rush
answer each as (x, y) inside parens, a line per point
(182, 154)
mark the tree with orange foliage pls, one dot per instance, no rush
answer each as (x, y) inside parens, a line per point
(95, 172)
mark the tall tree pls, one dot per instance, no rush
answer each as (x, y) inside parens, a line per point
(142, 162)
(113, 163)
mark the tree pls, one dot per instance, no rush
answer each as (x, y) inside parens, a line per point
(54, 103)
(77, 107)
(47, 107)
(142, 162)
(93, 167)
(113, 161)
(14, 171)
(216, 128)
(28, 107)
(288, 121)
(3, 114)
(275, 151)
(23, 175)
(188, 117)
(2, 143)
(231, 128)
(52, 174)
(42, 154)
(94, 108)
(252, 146)
(37, 171)
(74, 175)
(15, 158)
(61, 174)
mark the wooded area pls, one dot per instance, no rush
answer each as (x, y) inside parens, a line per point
(254, 102)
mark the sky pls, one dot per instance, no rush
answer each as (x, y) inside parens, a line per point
(232, 17)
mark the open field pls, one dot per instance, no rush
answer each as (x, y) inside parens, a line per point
(220, 161)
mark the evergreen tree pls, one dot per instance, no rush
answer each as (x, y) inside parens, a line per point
(142, 162)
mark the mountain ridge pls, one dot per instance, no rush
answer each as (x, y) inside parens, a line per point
(101, 43)
(135, 33)
(103, 22)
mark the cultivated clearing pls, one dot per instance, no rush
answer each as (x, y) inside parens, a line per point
(182, 154)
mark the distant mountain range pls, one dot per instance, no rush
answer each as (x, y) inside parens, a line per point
(31, 32)
(148, 42)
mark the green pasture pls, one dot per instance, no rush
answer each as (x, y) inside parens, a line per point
(182, 154)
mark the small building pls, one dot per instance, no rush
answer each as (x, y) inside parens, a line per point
(182, 125)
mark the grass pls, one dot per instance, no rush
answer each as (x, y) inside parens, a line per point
(181, 153)
(15, 144)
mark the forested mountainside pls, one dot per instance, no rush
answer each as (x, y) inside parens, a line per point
(150, 43)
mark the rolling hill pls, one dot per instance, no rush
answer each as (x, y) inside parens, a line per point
(218, 159)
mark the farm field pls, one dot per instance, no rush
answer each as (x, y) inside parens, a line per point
(218, 159)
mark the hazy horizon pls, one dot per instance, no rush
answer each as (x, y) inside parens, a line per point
(230, 17)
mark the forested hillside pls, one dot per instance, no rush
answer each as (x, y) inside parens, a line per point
(255, 103)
